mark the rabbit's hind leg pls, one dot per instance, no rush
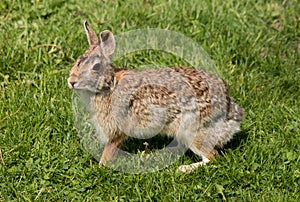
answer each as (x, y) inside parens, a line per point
(206, 156)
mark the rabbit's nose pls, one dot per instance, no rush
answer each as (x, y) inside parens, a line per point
(71, 84)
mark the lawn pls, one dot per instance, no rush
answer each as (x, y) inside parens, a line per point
(255, 46)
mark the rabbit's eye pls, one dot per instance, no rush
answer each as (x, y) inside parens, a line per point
(96, 67)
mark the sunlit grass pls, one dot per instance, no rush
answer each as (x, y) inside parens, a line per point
(255, 46)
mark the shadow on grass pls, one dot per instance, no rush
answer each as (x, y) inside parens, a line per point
(134, 145)
(236, 141)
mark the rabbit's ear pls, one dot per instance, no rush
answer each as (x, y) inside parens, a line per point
(91, 35)
(107, 42)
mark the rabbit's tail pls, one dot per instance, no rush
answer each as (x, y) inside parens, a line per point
(235, 112)
(231, 125)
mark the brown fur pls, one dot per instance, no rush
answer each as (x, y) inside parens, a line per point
(188, 104)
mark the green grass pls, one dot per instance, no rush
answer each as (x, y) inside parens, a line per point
(256, 47)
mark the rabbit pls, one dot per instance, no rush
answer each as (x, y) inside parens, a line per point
(188, 104)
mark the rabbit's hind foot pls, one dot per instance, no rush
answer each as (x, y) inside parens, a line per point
(191, 167)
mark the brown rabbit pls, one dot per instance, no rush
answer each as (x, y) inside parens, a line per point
(188, 104)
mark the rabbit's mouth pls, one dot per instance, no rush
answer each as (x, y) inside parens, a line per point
(76, 86)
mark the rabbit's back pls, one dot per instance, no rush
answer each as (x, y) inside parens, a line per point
(155, 101)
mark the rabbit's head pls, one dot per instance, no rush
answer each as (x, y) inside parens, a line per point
(93, 71)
